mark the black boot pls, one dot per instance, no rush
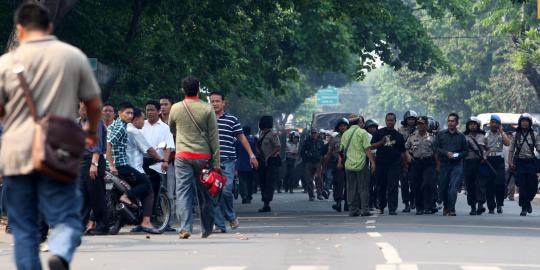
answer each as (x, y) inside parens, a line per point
(407, 208)
(499, 210)
(473, 211)
(338, 206)
(481, 209)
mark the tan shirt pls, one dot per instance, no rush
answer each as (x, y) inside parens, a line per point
(420, 146)
(269, 143)
(59, 76)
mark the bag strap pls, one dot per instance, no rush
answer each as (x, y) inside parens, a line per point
(349, 142)
(260, 142)
(518, 149)
(203, 134)
(18, 69)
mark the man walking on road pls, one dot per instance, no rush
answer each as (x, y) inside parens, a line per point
(193, 152)
(408, 126)
(59, 76)
(475, 178)
(356, 147)
(312, 153)
(451, 146)
(230, 130)
(268, 149)
(390, 147)
(496, 139)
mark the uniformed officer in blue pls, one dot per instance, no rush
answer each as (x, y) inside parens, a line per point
(495, 182)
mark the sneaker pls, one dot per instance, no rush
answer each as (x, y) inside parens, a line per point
(499, 210)
(235, 223)
(473, 211)
(325, 194)
(218, 230)
(529, 208)
(480, 210)
(452, 213)
(184, 235)
(57, 263)
(491, 211)
(523, 213)
(320, 197)
(205, 235)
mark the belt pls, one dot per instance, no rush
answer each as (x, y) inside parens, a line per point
(495, 154)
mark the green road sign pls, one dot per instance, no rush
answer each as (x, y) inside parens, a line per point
(93, 63)
(327, 97)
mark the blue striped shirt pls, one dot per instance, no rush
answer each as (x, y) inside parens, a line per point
(229, 128)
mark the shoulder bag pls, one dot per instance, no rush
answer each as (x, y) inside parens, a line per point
(58, 142)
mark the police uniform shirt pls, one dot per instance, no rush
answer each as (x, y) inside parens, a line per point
(494, 143)
(479, 137)
(526, 151)
(420, 146)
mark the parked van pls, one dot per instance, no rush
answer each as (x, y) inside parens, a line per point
(508, 120)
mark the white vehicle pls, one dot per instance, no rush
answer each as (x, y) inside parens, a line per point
(508, 120)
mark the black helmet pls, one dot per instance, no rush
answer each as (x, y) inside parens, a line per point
(266, 121)
(407, 115)
(433, 125)
(341, 122)
(527, 117)
(371, 122)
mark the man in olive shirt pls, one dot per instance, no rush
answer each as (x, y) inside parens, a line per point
(58, 76)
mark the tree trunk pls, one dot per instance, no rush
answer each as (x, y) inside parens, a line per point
(58, 10)
(533, 77)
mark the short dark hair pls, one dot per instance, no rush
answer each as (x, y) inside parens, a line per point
(454, 115)
(169, 98)
(218, 93)
(108, 104)
(137, 113)
(391, 114)
(191, 86)
(32, 16)
(125, 105)
(154, 103)
(246, 130)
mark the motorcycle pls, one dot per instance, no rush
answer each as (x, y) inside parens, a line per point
(121, 214)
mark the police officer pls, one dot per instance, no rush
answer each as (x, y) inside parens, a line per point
(312, 153)
(475, 178)
(335, 163)
(495, 185)
(408, 126)
(522, 160)
(372, 126)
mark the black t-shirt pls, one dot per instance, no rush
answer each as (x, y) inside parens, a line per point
(392, 150)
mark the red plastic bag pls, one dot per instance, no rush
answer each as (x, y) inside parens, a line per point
(213, 181)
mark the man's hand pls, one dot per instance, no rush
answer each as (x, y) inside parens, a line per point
(91, 139)
(512, 166)
(113, 170)
(217, 169)
(450, 155)
(93, 172)
(373, 168)
(165, 166)
(254, 163)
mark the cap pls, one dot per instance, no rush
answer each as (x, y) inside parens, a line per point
(353, 117)
(314, 130)
(495, 118)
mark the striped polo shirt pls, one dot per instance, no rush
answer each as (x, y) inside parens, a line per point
(229, 129)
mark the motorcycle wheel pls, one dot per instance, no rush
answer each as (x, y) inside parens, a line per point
(114, 217)
(162, 212)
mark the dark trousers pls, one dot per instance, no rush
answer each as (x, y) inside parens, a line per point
(387, 184)
(526, 181)
(450, 182)
(423, 175)
(405, 182)
(495, 184)
(140, 187)
(246, 184)
(312, 172)
(268, 175)
(291, 178)
(475, 182)
(339, 184)
(358, 190)
(93, 191)
(154, 177)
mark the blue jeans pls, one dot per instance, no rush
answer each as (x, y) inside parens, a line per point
(60, 204)
(224, 209)
(450, 179)
(188, 186)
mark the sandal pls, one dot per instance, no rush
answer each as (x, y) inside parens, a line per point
(150, 230)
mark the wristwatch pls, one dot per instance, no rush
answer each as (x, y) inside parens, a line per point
(252, 156)
(95, 164)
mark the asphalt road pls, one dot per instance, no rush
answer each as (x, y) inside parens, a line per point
(303, 235)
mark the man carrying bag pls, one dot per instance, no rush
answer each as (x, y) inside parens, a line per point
(41, 84)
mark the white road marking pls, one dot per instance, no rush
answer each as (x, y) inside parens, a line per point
(225, 268)
(374, 234)
(389, 252)
(396, 267)
(408, 267)
(370, 221)
(470, 267)
(371, 227)
(309, 267)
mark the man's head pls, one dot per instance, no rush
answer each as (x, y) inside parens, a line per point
(452, 121)
(138, 118)
(409, 119)
(152, 108)
(390, 120)
(165, 103)
(473, 125)
(126, 112)
(422, 124)
(107, 112)
(495, 122)
(357, 120)
(314, 134)
(372, 126)
(82, 111)
(32, 19)
(190, 86)
(217, 99)
(525, 121)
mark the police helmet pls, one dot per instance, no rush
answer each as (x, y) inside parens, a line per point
(407, 115)
(433, 125)
(342, 121)
(294, 134)
(473, 119)
(527, 117)
(371, 123)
